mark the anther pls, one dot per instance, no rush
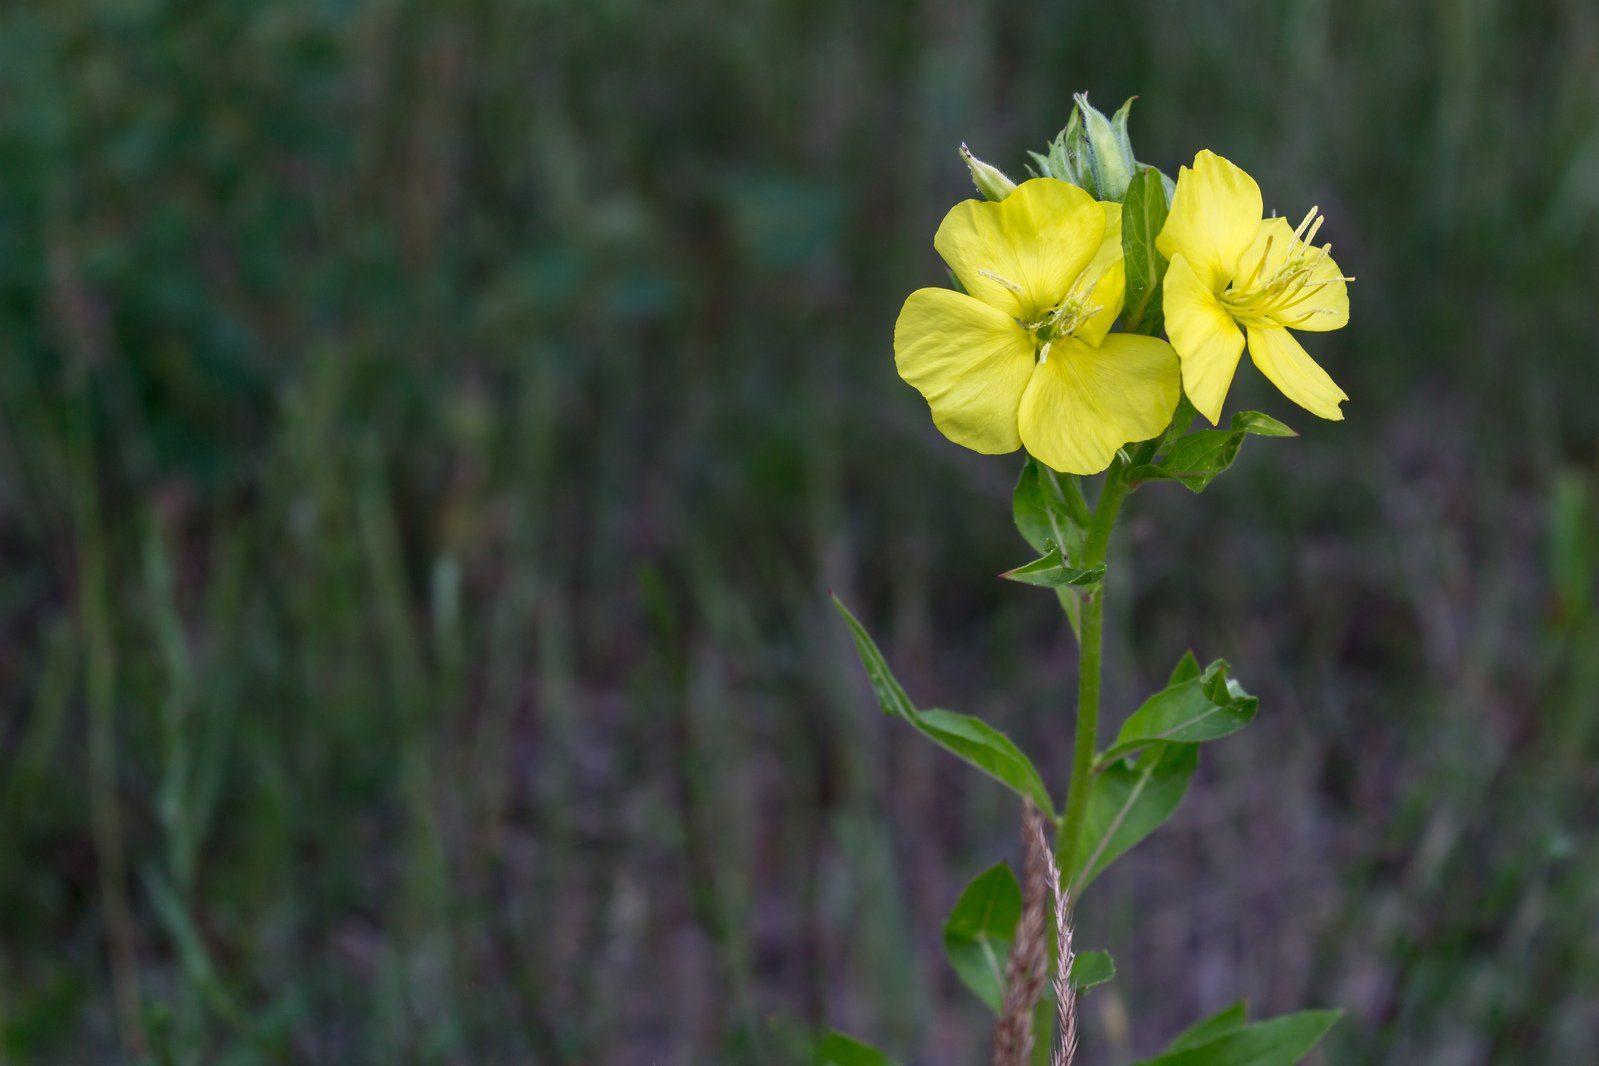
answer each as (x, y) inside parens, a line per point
(1000, 279)
(1299, 229)
(1315, 227)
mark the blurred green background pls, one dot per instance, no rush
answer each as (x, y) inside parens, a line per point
(430, 430)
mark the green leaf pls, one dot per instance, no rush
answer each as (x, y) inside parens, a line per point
(1194, 460)
(1260, 425)
(1187, 669)
(1221, 687)
(1049, 512)
(1051, 572)
(891, 695)
(987, 749)
(1183, 420)
(979, 932)
(836, 1049)
(1143, 214)
(1128, 800)
(1197, 458)
(970, 738)
(1279, 1042)
(1090, 968)
(1224, 1021)
(1137, 475)
(1192, 711)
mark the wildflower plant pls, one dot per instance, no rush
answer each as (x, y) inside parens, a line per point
(1099, 310)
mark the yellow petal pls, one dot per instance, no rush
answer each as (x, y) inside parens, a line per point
(1282, 359)
(1215, 213)
(1021, 254)
(1320, 304)
(1083, 403)
(970, 361)
(1207, 339)
(1110, 269)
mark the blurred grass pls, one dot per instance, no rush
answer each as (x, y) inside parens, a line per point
(427, 431)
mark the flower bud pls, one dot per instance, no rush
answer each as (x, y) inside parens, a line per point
(989, 179)
(1101, 152)
(1059, 162)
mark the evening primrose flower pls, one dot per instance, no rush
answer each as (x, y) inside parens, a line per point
(1023, 356)
(1233, 273)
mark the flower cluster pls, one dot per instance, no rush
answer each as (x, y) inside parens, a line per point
(1025, 354)
(1099, 310)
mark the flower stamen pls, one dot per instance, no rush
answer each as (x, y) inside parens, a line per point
(1255, 297)
(1000, 279)
(1265, 253)
(1066, 317)
(1310, 217)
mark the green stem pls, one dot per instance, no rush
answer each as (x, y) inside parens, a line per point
(1071, 494)
(1095, 546)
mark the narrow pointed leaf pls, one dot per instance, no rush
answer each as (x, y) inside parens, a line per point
(979, 932)
(891, 695)
(1129, 799)
(987, 749)
(970, 738)
(1224, 1021)
(1187, 669)
(1281, 1041)
(836, 1049)
(1051, 572)
(1261, 425)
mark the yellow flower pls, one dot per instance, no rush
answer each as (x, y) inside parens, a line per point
(1229, 269)
(1025, 358)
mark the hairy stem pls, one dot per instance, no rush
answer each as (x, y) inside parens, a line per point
(1095, 547)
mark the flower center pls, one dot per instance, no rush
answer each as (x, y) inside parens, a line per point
(1257, 295)
(1065, 318)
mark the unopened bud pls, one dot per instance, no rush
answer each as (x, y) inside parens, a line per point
(1103, 152)
(989, 179)
(1058, 163)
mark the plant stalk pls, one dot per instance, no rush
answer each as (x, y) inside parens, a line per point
(1095, 547)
